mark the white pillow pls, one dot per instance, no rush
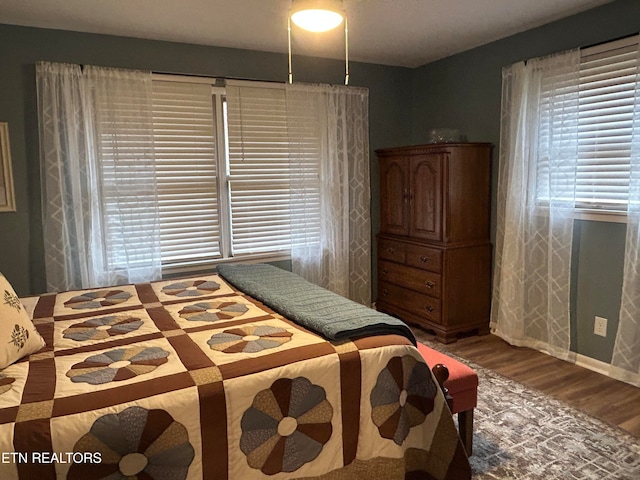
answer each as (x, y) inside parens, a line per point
(18, 336)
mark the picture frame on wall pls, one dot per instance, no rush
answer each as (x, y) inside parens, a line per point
(7, 197)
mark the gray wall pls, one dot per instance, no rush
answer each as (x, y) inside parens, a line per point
(464, 92)
(21, 242)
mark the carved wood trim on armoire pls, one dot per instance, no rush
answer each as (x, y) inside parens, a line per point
(434, 250)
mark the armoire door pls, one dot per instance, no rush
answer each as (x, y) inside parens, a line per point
(394, 194)
(426, 196)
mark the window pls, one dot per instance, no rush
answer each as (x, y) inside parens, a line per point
(185, 146)
(605, 121)
(259, 179)
(223, 174)
(145, 174)
(601, 104)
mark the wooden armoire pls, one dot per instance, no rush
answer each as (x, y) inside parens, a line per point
(434, 250)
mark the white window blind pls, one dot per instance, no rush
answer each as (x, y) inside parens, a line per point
(599, 105)
(607, 85)
(558, 111)
(224, 179)
(185, 149)
(259, 173)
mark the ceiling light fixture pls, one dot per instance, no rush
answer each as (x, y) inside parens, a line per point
(319, 16)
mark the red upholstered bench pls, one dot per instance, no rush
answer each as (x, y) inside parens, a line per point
(463, 390)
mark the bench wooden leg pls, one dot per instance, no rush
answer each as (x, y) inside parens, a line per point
(465, 426)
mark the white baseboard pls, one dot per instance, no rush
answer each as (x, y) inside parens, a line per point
(593, 364)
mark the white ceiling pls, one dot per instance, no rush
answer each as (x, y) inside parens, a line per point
(389, 32)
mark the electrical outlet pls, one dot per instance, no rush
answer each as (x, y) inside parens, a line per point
(600, 326)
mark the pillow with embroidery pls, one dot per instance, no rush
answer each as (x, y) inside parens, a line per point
(18, 336)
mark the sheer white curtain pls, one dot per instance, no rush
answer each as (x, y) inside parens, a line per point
(536, 198)
(98, 176)
(625, 362)
(331, 222)
(65, 176)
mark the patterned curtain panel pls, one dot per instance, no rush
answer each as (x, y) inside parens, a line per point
(98, 176)
(625, 363)
(64, 162)
(536, 199)
(330, 218)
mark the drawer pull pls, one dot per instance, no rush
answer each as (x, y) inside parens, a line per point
(430, 309)
(391, 250)
(385, 292)
(385, 270)
(424, 258)
(429, 284)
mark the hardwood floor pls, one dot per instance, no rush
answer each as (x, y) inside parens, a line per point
(610, 400)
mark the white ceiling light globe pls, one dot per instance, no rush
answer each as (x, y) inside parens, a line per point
(317, 20)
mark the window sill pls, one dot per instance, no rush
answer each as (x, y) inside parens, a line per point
(600, 216)
(210, 267)
(592, 215)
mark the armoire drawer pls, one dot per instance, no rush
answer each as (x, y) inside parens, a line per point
(390, 250)
(416, 303)
(422, 281)
(423, 257)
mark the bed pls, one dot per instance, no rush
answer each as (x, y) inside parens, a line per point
(208, 378)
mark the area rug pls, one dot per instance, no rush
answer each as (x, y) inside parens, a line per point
(521, 433)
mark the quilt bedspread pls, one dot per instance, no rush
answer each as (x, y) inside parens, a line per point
(193, 379)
